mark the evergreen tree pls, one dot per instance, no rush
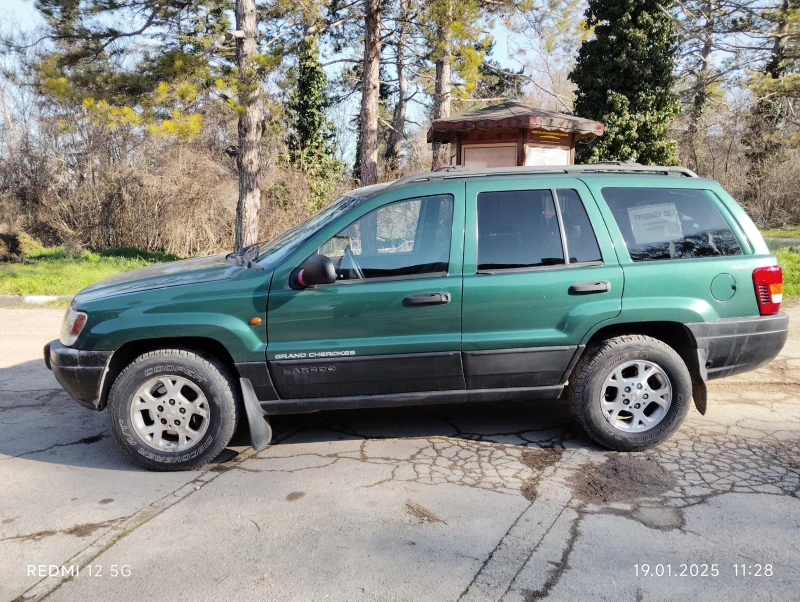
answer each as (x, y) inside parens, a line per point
(96, 57)
(156, 63)
(457, 40)
(310, 129)
(396, 134)
(624, 76)
(310, 142)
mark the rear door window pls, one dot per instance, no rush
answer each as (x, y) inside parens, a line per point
(670, 223)
(581, 240)
(518, 229)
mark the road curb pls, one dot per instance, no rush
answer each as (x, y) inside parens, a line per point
(9, 300)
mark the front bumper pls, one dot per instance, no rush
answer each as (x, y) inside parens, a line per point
(79, 372)
(734, 345)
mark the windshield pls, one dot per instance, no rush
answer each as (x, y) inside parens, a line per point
(274, 251)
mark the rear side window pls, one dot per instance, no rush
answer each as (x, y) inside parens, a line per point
(518, 229)
(581, 241)
(670, 223)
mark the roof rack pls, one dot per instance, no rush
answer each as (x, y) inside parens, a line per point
(617, 167)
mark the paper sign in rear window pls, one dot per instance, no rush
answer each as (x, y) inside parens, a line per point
(655, 223)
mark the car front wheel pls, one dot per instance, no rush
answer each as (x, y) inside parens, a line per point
(173, 409)
(630, 392)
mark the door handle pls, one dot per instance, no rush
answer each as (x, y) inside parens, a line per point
(427, 299)
(590, 288)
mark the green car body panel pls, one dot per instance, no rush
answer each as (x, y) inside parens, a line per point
(494, 335)
(538, 310)
(369, 317)
(206, 298)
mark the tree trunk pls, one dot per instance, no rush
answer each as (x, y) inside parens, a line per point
(394, 144)
(443, 86)
(249, 157)
(775, 67)
(369, 92)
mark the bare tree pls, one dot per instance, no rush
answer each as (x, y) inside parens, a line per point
(711, 35)
(700, 25)
(250, 118)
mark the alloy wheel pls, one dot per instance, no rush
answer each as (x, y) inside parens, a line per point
(636, 396)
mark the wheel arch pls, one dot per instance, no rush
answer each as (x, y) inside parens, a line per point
(127, 352)
(674, 334)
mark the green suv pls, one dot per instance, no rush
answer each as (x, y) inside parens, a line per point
(619, 288)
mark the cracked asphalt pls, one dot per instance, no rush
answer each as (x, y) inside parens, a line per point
(470, 502)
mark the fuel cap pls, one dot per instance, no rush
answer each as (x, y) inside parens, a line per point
(723, 287)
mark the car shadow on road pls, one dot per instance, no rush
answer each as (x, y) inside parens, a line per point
(535, 422)
(40, 422)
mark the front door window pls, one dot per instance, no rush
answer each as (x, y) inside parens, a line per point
(401, 239)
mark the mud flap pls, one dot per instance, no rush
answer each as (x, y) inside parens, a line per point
(700, 396)
(260, 429)
(699, 378)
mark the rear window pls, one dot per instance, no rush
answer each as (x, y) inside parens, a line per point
(670, 223)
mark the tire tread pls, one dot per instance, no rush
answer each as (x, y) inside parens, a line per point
(584, 370)
(215, 371)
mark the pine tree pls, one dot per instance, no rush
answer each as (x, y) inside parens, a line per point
(98, 59)
(624, 76)
(394, 141)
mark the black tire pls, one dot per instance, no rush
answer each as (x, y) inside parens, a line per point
(598, 362)
(208, 375)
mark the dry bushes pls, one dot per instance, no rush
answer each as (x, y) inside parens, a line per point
(776, 201)
(117, 189)
(184, 205)
(286, 199)
(771, 199)
(769, 193)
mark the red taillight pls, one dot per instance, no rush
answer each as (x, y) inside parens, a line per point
(768, 283)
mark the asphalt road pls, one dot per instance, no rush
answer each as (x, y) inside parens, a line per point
(473, 502)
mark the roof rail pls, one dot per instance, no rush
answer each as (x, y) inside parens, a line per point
(459, 171)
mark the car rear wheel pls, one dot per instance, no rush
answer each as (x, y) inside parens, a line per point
(630, 392)
(172, 409)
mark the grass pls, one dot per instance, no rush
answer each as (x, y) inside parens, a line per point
(786, 232)
(789, 258)
(48, 305)
(54, 271)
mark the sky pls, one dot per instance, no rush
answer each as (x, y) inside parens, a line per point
(22, 10)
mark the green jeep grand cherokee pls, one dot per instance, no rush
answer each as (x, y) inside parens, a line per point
(619, 288)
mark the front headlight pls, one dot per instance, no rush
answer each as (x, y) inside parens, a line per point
(71, 326)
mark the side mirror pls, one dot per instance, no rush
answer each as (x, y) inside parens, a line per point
(317, 269)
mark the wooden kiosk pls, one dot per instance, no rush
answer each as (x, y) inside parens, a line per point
(511, 134)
